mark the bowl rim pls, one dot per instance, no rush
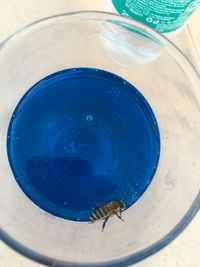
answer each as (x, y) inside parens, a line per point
(187, 217)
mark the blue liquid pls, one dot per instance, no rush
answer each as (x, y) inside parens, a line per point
(80, 138)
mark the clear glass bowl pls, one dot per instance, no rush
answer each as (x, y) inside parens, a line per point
(169, 83)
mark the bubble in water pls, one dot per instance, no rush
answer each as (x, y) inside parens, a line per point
(89, 117)
(65, 203)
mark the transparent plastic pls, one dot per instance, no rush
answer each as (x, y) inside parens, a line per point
(171, 86)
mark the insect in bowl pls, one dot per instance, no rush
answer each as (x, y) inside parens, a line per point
(108, 210)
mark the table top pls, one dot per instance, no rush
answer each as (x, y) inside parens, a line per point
(14, 14)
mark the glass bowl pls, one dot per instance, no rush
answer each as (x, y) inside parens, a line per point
(170, 84)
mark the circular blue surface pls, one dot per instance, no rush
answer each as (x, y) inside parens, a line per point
(80, 138)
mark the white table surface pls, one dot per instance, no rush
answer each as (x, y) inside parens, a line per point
(14, 14)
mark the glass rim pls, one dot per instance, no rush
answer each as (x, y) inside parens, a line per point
(186, 218)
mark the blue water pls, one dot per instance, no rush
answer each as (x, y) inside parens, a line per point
(80, 138)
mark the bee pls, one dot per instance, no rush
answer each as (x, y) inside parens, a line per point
(110, 209)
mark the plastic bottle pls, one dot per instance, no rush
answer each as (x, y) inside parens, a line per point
(165, 16)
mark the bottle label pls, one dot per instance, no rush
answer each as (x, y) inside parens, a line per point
(162, 15)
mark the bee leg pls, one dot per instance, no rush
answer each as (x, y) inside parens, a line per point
(119, 216)
(104, 223)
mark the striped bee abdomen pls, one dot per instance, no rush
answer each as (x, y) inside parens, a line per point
(97, 215)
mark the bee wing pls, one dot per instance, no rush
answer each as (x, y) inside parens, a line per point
(100, 204)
